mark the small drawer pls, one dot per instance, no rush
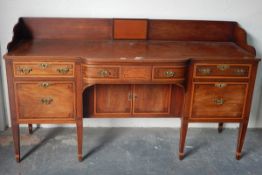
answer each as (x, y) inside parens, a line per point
(218, 100)
(101, 72)
(222, 70)
(43, 69)
(39, 100)
(168, 72)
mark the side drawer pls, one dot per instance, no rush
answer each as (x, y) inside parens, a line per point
(218, 100)
(222, 70)
(51, 99)
(168, 73)
(43, 69)
(101, 72)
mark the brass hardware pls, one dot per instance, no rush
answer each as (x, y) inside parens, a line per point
(103, 73)
(44, 84)
(240, 71)
(204, 71)
(46, 100)
(135, 96)
(219, 101)
(169, 74)
(25, 70)
(43, 65)
(63, 70)
(223, 67)
(129, 97)
(220, 85)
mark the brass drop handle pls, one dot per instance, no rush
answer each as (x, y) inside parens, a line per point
(25, 70)
(223, 67)
(46, 100)
(204, 71)
(103, 73)
(240, 71)
(63, 70)
(169, 74)
(220, 85)
(129, 96)
(43, 65)
(44, 85)
(219, 101)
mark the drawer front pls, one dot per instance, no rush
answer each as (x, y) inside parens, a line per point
(43, 69)
(168, 73)
(218, 100)
(222, 70)
(36, 100)
(101, 72)
(136, 73)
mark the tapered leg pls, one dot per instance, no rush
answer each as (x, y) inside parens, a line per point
(79, 126)
(30, 128)
(183, 132)
(241, 138)
(220, 127)
(16, 139)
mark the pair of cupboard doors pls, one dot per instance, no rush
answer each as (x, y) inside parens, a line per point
(137, 100)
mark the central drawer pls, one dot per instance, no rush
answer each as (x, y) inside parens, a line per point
(218, 100)
(52, 99)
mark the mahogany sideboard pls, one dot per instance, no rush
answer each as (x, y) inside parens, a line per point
(60, 70)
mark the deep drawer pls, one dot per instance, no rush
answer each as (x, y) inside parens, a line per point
(45, 99)
(218, 100)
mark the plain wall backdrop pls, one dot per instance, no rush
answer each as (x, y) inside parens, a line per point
(247, 12)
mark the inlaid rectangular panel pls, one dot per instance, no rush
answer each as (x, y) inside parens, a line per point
(136, 72)
(130, 29)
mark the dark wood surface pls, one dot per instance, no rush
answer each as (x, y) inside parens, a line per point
(201, 71)
(115, 50)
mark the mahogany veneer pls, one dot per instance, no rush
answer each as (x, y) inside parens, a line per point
(60, 70)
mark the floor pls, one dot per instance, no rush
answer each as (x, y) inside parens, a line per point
(134, 151)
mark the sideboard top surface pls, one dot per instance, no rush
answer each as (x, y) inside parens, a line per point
(128, 40)
(121, 50)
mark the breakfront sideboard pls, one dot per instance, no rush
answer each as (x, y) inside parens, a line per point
(60, 70)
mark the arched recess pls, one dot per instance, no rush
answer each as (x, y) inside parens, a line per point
(91, 99)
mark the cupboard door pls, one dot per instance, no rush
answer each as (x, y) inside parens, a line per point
(151, 99)
(113, 99)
